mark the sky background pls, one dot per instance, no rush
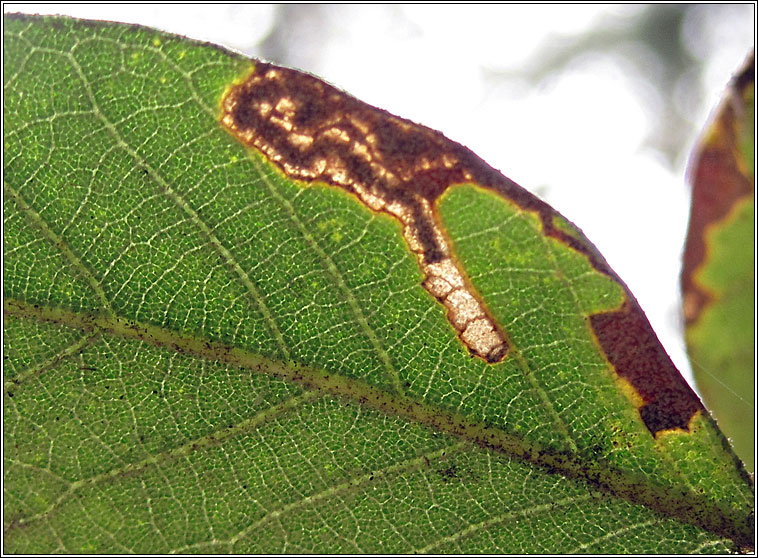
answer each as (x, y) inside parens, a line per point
(594, 108)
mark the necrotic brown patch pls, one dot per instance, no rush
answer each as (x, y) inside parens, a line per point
(635, 352)
(718, 185)
(314, 132)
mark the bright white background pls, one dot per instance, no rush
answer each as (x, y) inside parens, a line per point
(592, 138)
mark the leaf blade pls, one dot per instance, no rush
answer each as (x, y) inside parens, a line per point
(718, 277)
(158, 214)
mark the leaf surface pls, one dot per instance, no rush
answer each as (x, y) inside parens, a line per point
(218, 345)
(718, 276)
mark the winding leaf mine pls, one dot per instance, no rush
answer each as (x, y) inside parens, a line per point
(316, 133)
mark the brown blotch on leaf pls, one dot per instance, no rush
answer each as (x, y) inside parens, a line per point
(633, 349)
(718, 183)
(314, 132)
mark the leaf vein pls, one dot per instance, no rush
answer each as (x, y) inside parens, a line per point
(194, 217)
(334, 271)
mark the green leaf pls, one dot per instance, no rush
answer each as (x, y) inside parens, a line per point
(718, 276)
(227, 330)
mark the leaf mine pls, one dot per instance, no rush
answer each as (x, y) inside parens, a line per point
(314, 132)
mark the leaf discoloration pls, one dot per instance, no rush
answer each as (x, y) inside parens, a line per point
(316, 133)
(720, 181)
(667, 401)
